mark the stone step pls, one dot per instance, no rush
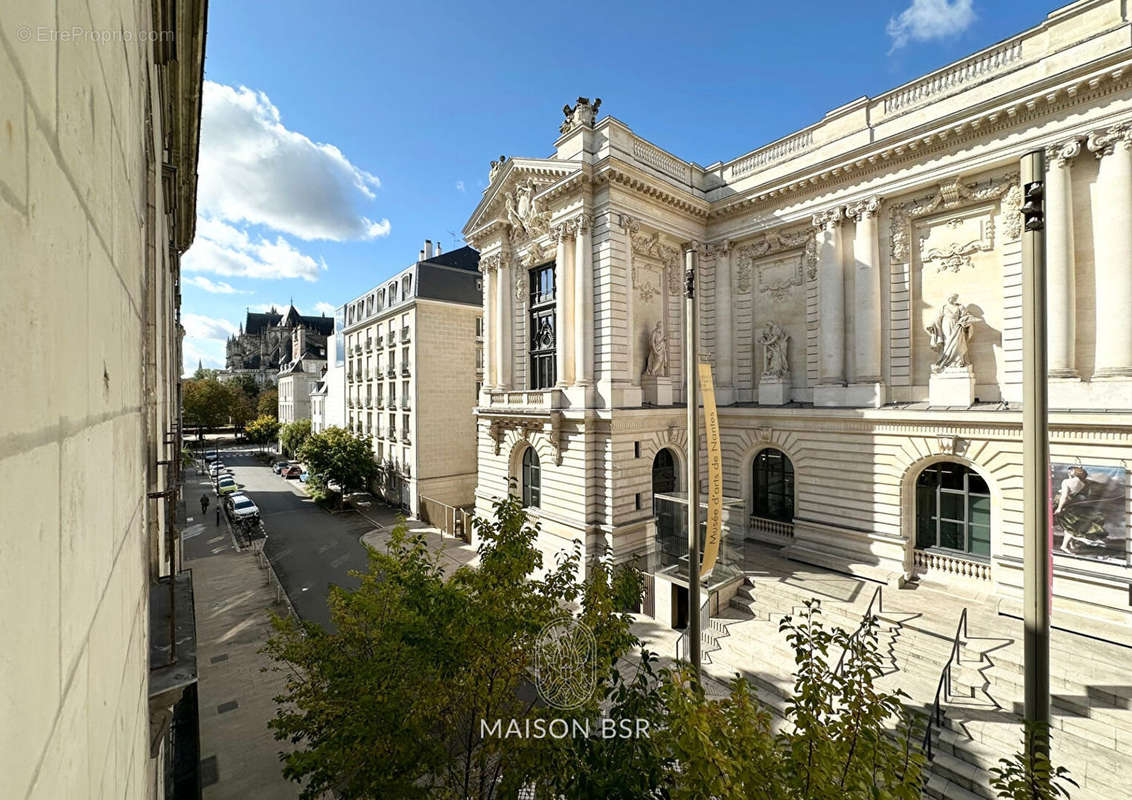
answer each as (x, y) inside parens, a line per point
(1097, 769)
(938, 787)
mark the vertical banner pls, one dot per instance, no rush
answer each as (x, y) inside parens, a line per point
(715, 473)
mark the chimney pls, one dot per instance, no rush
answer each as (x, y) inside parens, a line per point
(427, 249)
(420, 256)
(438, 247)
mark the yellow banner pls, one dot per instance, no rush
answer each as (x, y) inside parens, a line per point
(715, 473)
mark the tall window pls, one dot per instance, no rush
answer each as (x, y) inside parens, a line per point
(542, 334)
(532, 479)
(663, 472)
(773, 486)
(953, 509)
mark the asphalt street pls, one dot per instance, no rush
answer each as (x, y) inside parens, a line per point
(310, 549)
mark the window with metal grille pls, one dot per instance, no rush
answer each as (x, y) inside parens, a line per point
(532, 479)
(542, 336)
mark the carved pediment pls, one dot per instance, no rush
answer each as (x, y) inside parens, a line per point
(776, 276)
(510, 201)
(953, 195)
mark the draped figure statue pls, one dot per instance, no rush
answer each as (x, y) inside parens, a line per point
(951, 334)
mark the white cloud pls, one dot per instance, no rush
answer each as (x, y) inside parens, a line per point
(198, 326)
(325, 308)
(207, 353)
(218, 287)
(226, 250)
(460, 186)
(255, 170)
(930, 19)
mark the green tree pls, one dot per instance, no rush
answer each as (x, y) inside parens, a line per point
(1029, 774)
(390, 703)
(246, 384)
(293, 435)
(268, 403)
(206, 402)
(262, 430)
(241, 408)
(337, 455)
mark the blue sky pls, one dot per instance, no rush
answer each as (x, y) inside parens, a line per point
(338, 136)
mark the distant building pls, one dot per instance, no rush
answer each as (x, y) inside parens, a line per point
(328, 396)
(414, 363)
(263, 345)
(306, 362)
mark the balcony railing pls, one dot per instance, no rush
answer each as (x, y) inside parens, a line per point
(369, 402)
(404, 372)
(405, 438)
(532, 400)
(405, 405)
(392, 403)
(392, 433)
(380, 340)
(952, 564)
(392, 372)
(404, 334)
(771, 530)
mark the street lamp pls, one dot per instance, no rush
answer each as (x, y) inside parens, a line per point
(1035, 455)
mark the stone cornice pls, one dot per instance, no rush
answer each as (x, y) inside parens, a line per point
(943, 137)
(612, 171)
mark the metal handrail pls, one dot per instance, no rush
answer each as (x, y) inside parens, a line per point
(705, 616)
(878, 599)
(935, 716)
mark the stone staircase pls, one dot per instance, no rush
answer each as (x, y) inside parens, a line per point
(1091, 681)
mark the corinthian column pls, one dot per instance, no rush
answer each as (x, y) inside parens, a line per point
(561, 352)
(1112, 242)
(1061, 282)
(831, 299)
(503, 325)
(583, 302)
(866, 291)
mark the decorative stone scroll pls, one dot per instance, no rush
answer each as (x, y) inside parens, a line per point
(649, 245)
(950, 196)
(770, 274)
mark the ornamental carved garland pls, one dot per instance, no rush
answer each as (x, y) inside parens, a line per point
(648, 245)
(954, 195)
(771, 244)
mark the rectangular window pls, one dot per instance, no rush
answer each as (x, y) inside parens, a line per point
(637, 498)
(479, 327)
(541, 335)
(636, 451)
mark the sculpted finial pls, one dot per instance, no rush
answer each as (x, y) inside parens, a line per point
(583, 113)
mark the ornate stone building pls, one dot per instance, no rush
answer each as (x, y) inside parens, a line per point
(264, 344)
(859, 287)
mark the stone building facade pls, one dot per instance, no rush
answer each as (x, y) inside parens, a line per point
(859, 286)
(97, 204)
(414, 354)
(301, 372)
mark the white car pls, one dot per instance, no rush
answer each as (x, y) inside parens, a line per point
(243, 507)
(216, 468)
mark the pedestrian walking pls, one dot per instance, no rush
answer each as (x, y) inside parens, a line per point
(203, 504)
(218, 516)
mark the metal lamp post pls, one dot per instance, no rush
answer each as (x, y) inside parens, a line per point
(691, 347)
(1035, 454)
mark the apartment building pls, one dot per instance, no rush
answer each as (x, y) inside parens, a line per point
(413, 368)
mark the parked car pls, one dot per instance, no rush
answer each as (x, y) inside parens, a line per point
(216, 469)
(304, 477)
(243, 507)
(211, 456)
(227, 485)
(277, 467)
(291, 471)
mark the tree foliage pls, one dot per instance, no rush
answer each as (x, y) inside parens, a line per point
(337, 455)
(1029, 774)
(293, 435)
(262, 430)
(268, 403)
(206, 402)
(391, 703)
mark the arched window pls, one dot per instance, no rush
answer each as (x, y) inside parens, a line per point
(532, 479)
(953, 509)
(663, 472)
(772, 484)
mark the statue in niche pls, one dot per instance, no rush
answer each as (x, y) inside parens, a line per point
(775, 340)
(657, 364)
(951, 333)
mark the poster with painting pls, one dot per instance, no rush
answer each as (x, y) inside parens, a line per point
(1089, 511)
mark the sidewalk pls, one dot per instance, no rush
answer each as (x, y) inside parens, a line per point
(239, 755)
(453, 552)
